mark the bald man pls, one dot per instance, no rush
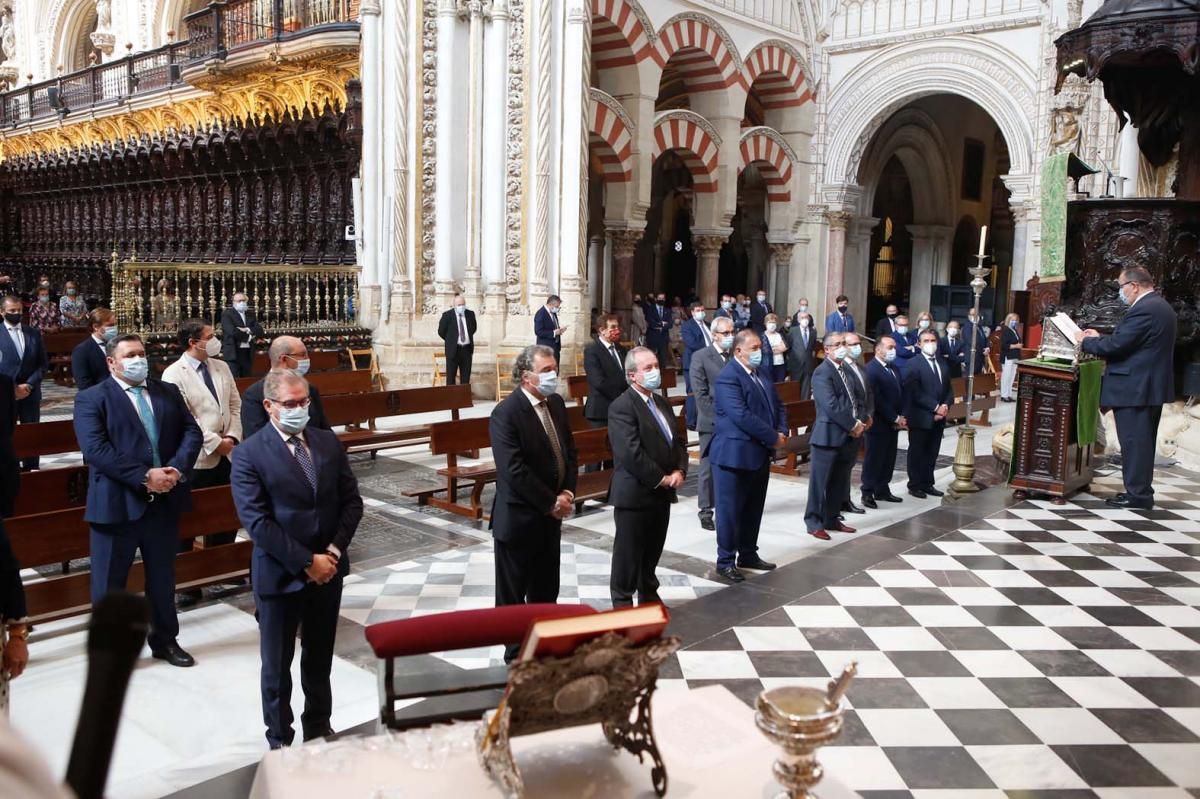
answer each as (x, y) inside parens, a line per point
(286, 352)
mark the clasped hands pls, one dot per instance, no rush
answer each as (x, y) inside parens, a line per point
(323, 568)
(563, 504)
(160, 480)
(23, 390)
(672, 480)
(940, 412)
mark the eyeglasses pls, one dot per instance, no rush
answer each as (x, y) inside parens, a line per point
(291, 405)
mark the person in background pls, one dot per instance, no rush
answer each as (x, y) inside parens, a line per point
(726, 309)
(679, 316)
(802, 353)
(801, 310)
(887, 325)
(972, 328)
(547, 330)
(742, 310)
(165, 306)
(651, 462)
(696, 337)
(706, 368)
(89, 363)
(887, 388)
(239, 330)
(759, 310)
(658, 329)
(927, 399)
(775, 349)
(285, 352)
(953, 351)
(637, 321)
(43, 314)
(925, 322)
(834, 440)
(72, 307)
(1010, 353)
(14, 620)
(604, 367)
(457, 328)
(840, 320)
(23, 359)
(906, 341)
(864, 400)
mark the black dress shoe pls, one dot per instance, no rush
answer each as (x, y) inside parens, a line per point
(849, 507)
(869, 501)
(933, 492)
(188, 598)
(888, 497)
(732, 574)
(707, 523)
(758, 564)
(312, 735)
(174, 654)
(916, 492)
(1128, 503)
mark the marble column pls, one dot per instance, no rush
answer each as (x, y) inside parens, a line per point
(595, 270)
(838, 222)
(372, 232)
(708, 254)
(1021, 271)
(657, 283)
(781, 262)
(402, 300)
(495, 101)
(930, 263)
(445, 224)
(624, 243)
(573, 177)
(472, 278)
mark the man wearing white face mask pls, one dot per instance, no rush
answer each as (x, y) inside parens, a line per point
(285, 352)
(651, 462)
(803, 341)
(706, 368)
(239, 329)
(139, 442)
(695, 338)
(536, 472)
(834, 440)
(927, 398)
(211, 395)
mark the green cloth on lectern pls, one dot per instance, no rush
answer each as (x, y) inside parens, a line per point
(1054, 216)
(1087, 406)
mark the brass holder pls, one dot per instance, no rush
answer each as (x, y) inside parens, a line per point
(964, 453)
(801, 720)
(608, 681)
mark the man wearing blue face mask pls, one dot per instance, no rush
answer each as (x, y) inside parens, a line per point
(139, 442)
(285, 352)
(887, 387)
(89, 363)
(706, 368)
(834, 439)
(536, 472)
(239, 329)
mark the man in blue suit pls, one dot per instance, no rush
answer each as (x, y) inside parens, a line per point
(139, 441)
(89, 362)
(927, 398)
(695, 338)
(834, 440)
(23, 359)
(840, 320)
(1138, 378)
(750, 426)
(299, 501)
(887, 387)
(953, 350)
(546, 326)
(759, 310)
(971, 327)
(907, 345)
(658, 330)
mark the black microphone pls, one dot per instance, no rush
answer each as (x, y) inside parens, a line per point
(115, 637)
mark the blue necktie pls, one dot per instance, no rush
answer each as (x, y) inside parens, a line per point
(305, 461)
(208, 381)
(143, 406)
(658, 417)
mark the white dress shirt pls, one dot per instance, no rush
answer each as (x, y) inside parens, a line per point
(132, 396)
(301, 441)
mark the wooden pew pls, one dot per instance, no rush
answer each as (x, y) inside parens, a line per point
(51, 489)
(592, 446)
(800, 415)
(44, 438)
(59, 346)
(578, 389)
(328, 383)
(356, 410)
(788, 391)
(670, 379)
(57, 536)
(984, 401)
(450, 439)
(318, 361)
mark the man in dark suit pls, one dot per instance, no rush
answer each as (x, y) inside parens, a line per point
(758, 312)
(140, 442)
(546, 328)
(840, 319)
(23, 359)
(954, 351)
(834, 440)
(1138, 379)
(239, 330)
(89, 363)
(907, 345)
(696, 337)
(536, 470)
(864, 402)
(750, 426)
(971, 327)
(726, 308)
(658, 329)
(650, 464)
(299, 501)
(706, 368)
(887, 325)
(285, 352)
(457, 329)
(927, 398)
(802, 353)
(604, 364)
(879, 463)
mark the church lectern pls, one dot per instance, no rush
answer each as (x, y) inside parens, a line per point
(1057, 416)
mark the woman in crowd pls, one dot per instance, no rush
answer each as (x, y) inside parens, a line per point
(72, 307)
(43, 314)
(774, 350)
(1010, 353)
(925, 322)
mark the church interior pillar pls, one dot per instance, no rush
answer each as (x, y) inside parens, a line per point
(445, 223)
(856, 265)
(624, 243)
(838, 222)
(371, 195)
(930, 263)
(780, 275)
(595, 271)
(708, 256)
(495, 101)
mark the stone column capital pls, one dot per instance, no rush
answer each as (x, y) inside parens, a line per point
(370, 8)
(838, 220)
(781, 251)
(624, 241)
(706, 244)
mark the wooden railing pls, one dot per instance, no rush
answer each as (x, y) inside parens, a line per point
(227, 26)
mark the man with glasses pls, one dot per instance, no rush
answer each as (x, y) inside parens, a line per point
(285, 352)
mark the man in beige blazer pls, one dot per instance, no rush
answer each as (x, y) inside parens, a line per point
(211, 394)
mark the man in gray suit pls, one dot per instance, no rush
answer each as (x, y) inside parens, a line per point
(802, 353)
(706, 365)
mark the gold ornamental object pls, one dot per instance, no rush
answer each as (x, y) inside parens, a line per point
(801, 720)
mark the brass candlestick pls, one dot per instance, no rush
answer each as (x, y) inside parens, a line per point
(964, 454)
(801, 720)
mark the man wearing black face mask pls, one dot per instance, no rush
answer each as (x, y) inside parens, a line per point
(658, 330)
(887, 325)
(840, 320)
(23, 360)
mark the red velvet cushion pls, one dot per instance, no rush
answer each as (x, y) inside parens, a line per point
(463, 629)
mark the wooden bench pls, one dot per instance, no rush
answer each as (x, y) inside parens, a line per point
(318, 361)
(328, 383)
(801, 414)
(51, 489)
(592, 446)
(984, 389)
(356, 410)
(44, 438)
(58, 536)
(578, 389)
(788, 391)
(59, 346)
(670, 379)
(450, 439)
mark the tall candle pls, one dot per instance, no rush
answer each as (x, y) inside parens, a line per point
(982, 239)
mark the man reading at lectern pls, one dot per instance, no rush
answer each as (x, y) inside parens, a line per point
(1139, 376)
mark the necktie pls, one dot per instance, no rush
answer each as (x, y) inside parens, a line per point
(462, 329)
(554, 316)
(560, 463)
(305, 461)
(658, 417)
(616, 356)
(704, 330)
(936, 370)
(853, 404)
(143, 406)
(208, 381)
(804, 334)
(18, 341)
(758, 382)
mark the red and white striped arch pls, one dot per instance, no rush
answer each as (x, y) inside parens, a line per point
(775, 71)
(762, 149)
(621, 34)
(704, 53)
(683, 132)
(610, 135)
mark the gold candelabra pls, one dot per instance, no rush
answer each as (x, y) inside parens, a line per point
(964, 453)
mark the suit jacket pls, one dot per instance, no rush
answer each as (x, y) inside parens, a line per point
(969, 329)
(28, 368)
(231, 337)
(543, 328)
(606, 380)
(906, 347)
(885, 327)
(1140, 355)
(215, 417)
(287, 519)
(956, 353)
(658, 326)
(749, 419)
(527, 484)
(835, 409)
(255, 418)
(834, 323)
(89, 365)
(693, 340)
(887, 386)
(448, 330)
(758, 315)
(642, 456)
(1008, 337)
(862, 390)
(801, 357)
(10, 475)
(117, 450)
(923, 392)
(706, 368)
